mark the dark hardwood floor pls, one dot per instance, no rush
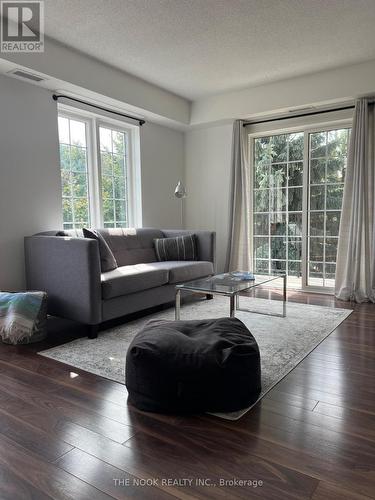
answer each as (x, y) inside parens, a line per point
(68, 434)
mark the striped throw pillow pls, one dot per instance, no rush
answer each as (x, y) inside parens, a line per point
(178, 248)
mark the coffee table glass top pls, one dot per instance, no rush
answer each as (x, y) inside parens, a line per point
(226, 284)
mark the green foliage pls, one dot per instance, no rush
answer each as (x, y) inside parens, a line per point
(108, 210)
(74, 181)
(74, 185)
(273, 150)
(334, 196)
(81, 211)
(114, 179)
(332, 144)
(278, 234)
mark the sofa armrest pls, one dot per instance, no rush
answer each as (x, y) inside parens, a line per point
(68, 269)
(206, 241)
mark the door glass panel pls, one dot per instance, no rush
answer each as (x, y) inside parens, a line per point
(295, 224)
(278, 193)
(262, 200)
(261, 225)
(278, 248)
(295, 174)
(278, 200)
(317, 224)
(295, 249)
(262, 266)
(261, 248)
(282, 202)
(327, 164)
(278, 224)
(317, 171)
(317, 197)
(278, 175)
(316, 274)
(334, 196)
(295, 199)
(333, 223)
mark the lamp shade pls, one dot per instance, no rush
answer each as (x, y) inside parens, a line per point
(180, 191)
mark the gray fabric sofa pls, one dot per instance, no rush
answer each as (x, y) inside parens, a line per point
(68, 269)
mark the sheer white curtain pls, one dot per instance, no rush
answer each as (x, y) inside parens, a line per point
(355, 277)
(239, 255)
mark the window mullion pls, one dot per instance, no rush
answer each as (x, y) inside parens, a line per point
(95, 164)
(130, 182)
(325, 213)
(305, 209)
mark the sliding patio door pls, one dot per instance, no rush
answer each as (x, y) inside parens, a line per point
(298, 181)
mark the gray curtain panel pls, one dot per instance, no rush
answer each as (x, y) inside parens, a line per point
(239, 254)
(355, 277)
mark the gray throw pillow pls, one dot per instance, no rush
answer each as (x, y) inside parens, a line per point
(107, 259)
(178, 248)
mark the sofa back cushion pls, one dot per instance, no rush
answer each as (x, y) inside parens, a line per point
(131, 246)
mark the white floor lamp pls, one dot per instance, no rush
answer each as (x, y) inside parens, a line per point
(180, 193)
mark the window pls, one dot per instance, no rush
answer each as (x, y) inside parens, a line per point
(113, 160)
(99, 171)
(297, 196)
(74, 173)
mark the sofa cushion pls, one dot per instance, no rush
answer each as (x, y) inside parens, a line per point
(177, 248)
(131, 246)
(130, 279)
(185, 270)
(107, 259)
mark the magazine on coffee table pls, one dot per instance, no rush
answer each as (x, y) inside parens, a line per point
(228, 278)
(243, 275)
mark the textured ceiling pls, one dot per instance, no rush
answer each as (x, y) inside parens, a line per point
(196, 48)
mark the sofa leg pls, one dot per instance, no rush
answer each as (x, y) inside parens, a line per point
(93, 331)
(209, 296)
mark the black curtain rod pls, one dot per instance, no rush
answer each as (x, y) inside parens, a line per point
(298, 116)
(55, 97)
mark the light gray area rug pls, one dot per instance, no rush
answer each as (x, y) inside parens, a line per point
(283, 341)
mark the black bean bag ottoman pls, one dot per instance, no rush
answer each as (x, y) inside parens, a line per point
(193, 366)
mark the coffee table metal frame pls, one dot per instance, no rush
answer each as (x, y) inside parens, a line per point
(198, 286)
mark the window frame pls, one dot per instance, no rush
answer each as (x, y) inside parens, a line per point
(306, 129)
(88, 158)
(93, 122)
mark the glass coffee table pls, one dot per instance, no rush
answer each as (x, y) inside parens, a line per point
(229, 286)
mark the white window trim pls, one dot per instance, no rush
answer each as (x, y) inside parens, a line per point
(306, 129)
(93, 121)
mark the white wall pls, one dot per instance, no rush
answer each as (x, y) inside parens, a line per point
(207, 175)
(162, 164)
(70, 70)
(30, 194)
(30, 186)
(322, 88)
